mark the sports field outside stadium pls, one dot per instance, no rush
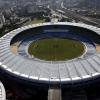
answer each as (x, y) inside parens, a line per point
(56, 49)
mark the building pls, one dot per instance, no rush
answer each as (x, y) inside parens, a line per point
(82, 70)
(2, 20)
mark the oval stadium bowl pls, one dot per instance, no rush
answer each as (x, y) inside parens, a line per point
(15, 60)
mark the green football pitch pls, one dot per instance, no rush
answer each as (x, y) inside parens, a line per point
(56, 49)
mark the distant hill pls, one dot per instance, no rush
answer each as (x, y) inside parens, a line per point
(72, 3)
(68, 3)
(90, 4)
(82, 3)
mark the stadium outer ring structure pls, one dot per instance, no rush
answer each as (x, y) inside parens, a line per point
(2, 92)
(43, 72)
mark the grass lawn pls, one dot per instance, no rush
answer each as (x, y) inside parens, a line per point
(35, 21)
(56, 49)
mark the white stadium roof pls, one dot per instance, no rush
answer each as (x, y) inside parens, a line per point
(2, 92)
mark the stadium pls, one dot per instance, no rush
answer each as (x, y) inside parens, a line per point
(49, 54)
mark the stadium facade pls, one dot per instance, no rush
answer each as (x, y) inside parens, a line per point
(2, 92)
(14, 60)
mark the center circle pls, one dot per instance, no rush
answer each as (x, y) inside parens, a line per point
(56, 49)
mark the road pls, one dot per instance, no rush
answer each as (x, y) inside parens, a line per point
(64, 11)
(54, 94)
